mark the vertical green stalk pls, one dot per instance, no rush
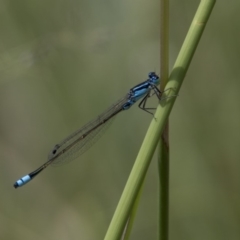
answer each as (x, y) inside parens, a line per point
(163, 157)
(157, 125)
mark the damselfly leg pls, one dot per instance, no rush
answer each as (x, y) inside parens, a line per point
(142, 104)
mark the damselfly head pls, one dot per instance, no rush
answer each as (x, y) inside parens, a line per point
(154, 78)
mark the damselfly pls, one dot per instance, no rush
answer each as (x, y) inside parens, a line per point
(79, 141)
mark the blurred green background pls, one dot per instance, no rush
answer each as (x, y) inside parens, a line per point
(64, 62)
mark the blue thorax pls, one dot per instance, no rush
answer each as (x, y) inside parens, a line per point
(140, 90)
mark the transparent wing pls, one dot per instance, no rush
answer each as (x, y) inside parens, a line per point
(81, 140)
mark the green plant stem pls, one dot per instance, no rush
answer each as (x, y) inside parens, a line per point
(132, 216)
(164, 42)
(163, 157)
(163, 169)
(157, 125)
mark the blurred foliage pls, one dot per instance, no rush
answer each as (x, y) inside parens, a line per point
(64, 62)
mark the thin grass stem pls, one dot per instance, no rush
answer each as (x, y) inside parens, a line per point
(157, 125)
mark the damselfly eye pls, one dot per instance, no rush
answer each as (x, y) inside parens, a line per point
(54, 151)
(151, 74)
